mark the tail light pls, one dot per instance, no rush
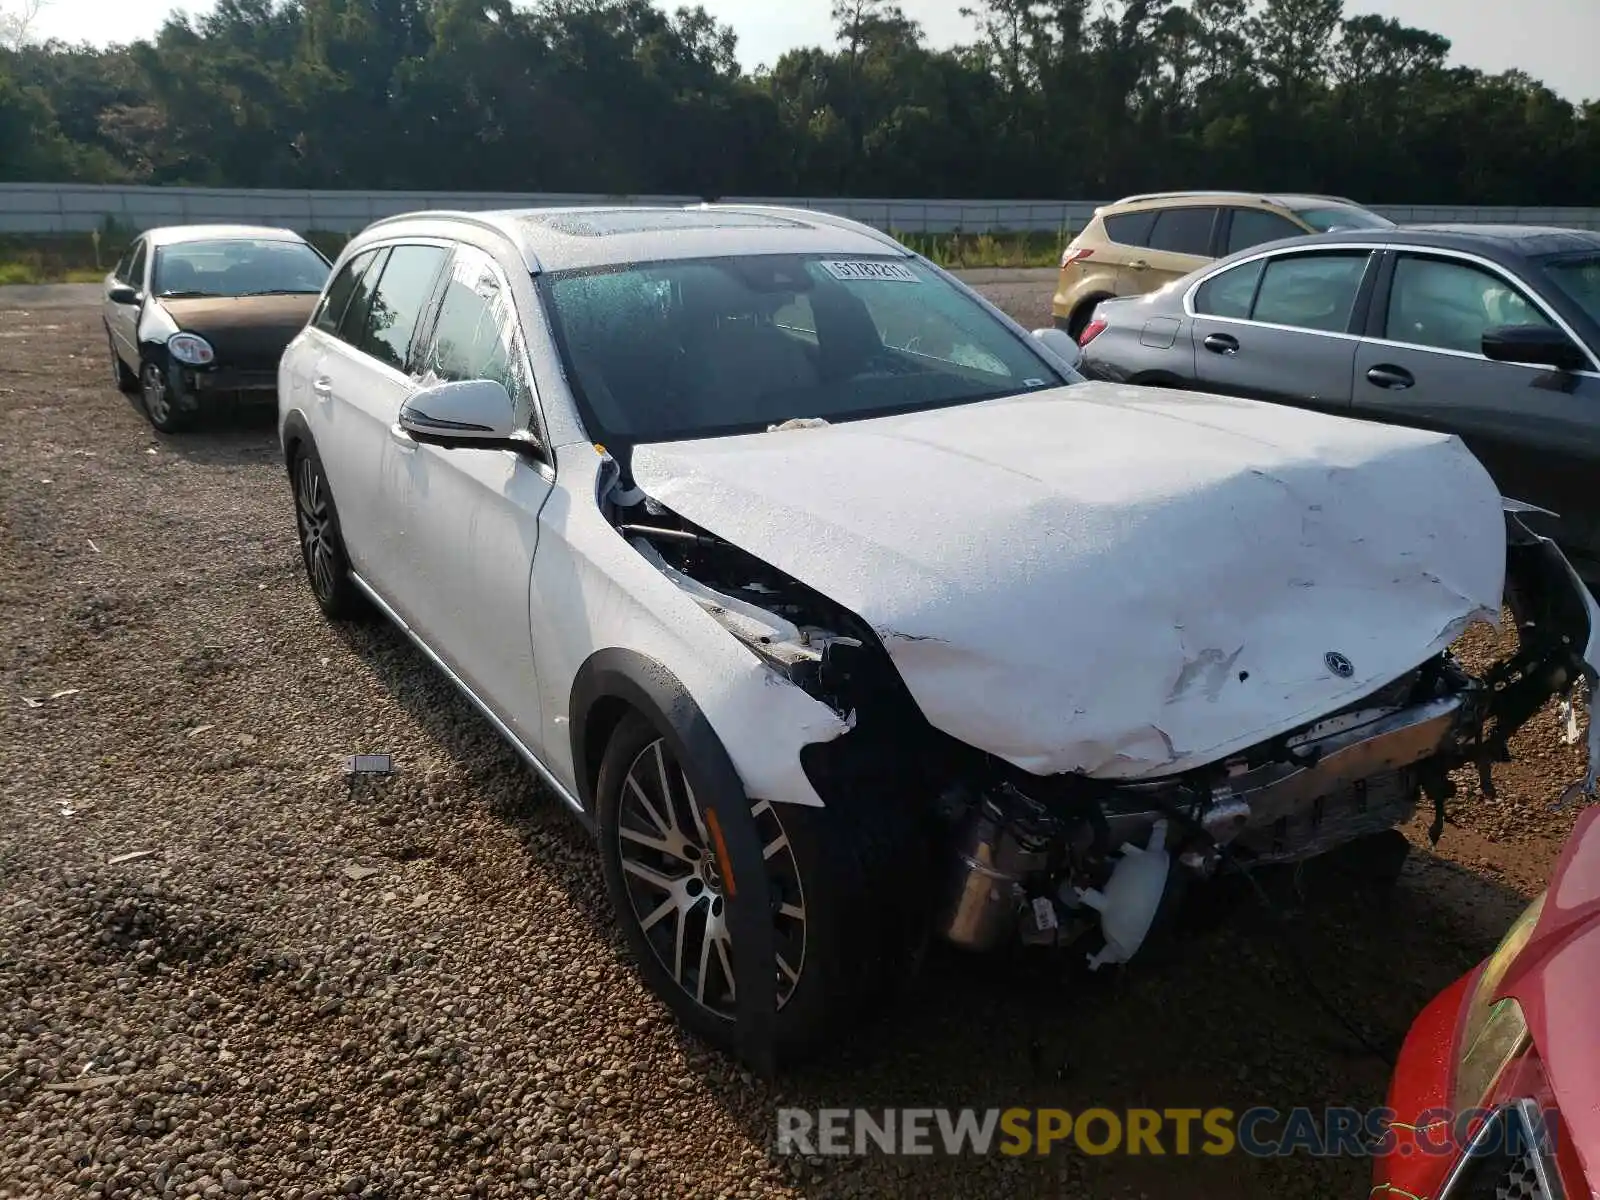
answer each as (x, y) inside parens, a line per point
(1091, 331)
(1075, 256)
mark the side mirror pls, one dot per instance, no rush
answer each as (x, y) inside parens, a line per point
(122, 293)
(1533, 345)
(1059, 342)
(470, 411)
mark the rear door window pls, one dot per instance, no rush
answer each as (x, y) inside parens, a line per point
(1311, 291)
(352, 325)
(1183, 231)
(1231, 293)
(331, 309)
(1255, 226)
(1130, 228)
(403, 292)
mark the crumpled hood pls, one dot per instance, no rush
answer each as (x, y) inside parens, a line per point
(1112, 580)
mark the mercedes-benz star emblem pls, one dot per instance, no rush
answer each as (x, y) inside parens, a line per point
(1339, 664)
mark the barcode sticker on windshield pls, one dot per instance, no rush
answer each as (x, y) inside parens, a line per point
(891, 271)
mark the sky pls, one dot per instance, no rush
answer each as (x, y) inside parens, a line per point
(1556, 41)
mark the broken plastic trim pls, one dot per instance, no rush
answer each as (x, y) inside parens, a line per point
(1558, 628)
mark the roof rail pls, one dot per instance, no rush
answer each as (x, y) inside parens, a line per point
(1178, 195)
(821, 217)
(1261, 195)
(1332, 199)
(468, 216)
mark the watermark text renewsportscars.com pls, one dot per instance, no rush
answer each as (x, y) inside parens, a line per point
(1260, 1132)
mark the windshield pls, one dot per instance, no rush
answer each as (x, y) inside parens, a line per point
(734, 345)
(1333, 217)
(1579, 278)
(238, 267)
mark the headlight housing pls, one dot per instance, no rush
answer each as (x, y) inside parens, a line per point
(191, 348)
(1494, 1031)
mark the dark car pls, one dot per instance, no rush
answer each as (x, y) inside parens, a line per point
(200, 313)
(1489, 332)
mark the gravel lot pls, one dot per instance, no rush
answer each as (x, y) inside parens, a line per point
(413, 988)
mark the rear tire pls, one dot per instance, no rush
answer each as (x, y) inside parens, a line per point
(850, 922)
(322, 548)
(1081, 316)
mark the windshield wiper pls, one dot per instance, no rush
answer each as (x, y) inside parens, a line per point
(283, 292)
(186, 295)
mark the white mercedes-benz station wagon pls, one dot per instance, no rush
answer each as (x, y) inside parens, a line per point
(846, 614)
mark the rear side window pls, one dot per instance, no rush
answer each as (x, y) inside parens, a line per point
(353, 324)
(1311, 291)
(1231, 293)
(337, 299)
(402, 293)
(1183, 231)
(1254, 226)
(1130, 228)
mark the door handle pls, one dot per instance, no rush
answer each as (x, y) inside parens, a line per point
(1221, 343)
(1390, 378)
(322, 388)
(1138, 264)
(402, 439)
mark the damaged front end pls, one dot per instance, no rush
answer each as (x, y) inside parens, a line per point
(1071, 859)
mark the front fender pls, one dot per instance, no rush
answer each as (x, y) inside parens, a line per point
(650, 688)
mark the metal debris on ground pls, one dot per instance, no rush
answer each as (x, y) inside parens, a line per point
(369, 764)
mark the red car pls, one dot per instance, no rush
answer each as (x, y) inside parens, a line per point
(1497, 1091)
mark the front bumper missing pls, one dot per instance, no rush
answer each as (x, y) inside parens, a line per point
(197, 385)
(1023, 865)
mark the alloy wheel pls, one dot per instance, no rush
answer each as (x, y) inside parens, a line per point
(316, 529)
(153, 389)
(671, 871)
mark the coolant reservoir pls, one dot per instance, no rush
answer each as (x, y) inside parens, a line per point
(1127, 904)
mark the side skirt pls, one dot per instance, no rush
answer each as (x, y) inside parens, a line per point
(546, 776)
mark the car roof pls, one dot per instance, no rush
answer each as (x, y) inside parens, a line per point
(576, 238)
(171, 235)
(1493, 241)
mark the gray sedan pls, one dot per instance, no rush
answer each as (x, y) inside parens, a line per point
(1489, 332)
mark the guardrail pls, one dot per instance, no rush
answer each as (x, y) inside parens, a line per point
(43, 208)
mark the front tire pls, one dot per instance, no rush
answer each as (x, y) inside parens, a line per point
(847, 928)
(161, 405)
(322, 549)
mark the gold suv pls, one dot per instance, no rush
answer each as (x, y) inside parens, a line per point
(1141, 242)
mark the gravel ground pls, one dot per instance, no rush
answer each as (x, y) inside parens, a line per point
(223, 972)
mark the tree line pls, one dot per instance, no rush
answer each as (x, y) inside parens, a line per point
(1050, 99)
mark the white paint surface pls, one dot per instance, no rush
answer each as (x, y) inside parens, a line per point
(1112, 580)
